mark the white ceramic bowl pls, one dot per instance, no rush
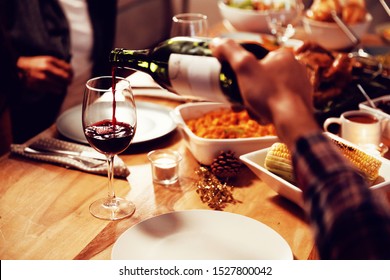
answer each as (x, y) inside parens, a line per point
(244, 20)
(205, 150)
(384, 117)
(255, 162)
(330, 36)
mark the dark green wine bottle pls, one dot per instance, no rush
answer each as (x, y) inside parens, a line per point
(185, 65)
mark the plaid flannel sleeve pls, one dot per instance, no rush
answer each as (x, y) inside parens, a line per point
(349, 220)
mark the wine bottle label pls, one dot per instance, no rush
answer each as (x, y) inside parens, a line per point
(196, 76)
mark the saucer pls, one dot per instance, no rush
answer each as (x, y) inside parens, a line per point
(375, 150)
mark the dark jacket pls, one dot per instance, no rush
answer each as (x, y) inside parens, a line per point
(39, 27)
(8, 71)
(103, 17)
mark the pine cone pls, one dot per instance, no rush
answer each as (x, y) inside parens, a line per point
(226, 165)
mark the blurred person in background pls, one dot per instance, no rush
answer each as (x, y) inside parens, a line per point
(9, 85)
(58, 44)
(92, 31)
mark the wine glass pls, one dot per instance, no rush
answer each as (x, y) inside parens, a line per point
(282, 16)
(189, 24)
(109, 121)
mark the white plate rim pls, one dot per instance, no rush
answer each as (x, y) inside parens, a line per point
(217, 223)
(74, 131)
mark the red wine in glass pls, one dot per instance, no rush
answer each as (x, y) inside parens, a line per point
(108, 138)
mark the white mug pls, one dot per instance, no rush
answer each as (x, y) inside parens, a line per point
(358, 127)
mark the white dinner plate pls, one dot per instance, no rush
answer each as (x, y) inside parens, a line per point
(201, 235)
(154, 121)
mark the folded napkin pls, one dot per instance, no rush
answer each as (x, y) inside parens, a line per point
(90, 165)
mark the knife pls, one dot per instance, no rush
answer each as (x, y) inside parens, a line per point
(83, 154)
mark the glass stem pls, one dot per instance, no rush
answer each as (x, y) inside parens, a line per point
(110, 174)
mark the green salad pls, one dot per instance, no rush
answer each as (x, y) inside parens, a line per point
(242, 4)
(256, 5)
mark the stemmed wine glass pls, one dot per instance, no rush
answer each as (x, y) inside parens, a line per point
(109, 121)
(282, 16)
(189, 24)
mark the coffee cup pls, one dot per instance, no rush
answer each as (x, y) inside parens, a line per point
(358, 127)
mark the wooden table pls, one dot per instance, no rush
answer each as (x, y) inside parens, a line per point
(44, 208)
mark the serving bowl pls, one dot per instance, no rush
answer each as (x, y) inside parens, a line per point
(330, 36)
(383, 116)
(245, 20)
(206, 150)
(255, 162)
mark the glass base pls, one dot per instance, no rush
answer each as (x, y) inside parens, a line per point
(112, 208)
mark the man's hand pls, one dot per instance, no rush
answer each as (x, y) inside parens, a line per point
(45, 73)
(275, 89)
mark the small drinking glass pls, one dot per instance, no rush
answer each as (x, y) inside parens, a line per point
(190, 25)
(165, 166)
(282, 17)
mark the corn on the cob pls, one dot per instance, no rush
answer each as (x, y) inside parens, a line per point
(367, 165)
(278, 161)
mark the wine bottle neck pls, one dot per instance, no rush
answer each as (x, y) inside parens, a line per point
(134, 59)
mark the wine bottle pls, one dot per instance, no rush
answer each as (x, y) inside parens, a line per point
(185, 65)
